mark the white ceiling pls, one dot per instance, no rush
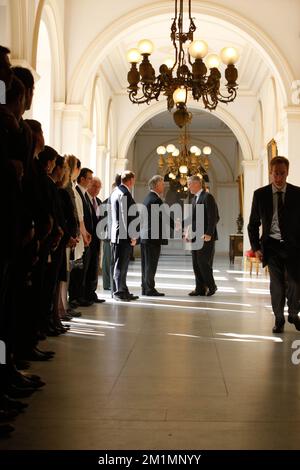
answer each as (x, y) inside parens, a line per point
(252, 69)
(201, 121)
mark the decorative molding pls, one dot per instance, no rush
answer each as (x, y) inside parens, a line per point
(156, 108)
(97, 50)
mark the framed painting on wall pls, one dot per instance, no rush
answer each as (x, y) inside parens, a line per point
(272, 152)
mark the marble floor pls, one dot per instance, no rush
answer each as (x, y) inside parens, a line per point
(170, 373)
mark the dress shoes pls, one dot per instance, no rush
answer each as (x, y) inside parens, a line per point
(73, 313)
(85, 302)
(21, 364)
(98, 301)
(132, 296)
(47, 353)
(278, 327)
(15, 392)
(121, 298)
(196, 292)
(295, 320)
(211, 291)
(155, 293)
(7, 403)
(37, 356)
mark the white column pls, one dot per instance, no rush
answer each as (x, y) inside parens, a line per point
(121, 164)
(252, 181)
(73, 118)
(58, 109)
(292, 143)
(101, 152)
(86, 149)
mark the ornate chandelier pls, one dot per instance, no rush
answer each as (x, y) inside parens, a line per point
(180, 75)
(179, 164)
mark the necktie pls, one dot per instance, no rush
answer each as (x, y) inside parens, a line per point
(95, 205)
(88, 202)
(280, 212)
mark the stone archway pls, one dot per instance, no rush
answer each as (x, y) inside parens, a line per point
(99, 48)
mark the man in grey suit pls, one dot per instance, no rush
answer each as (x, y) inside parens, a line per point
(122, 240)
(203, 257)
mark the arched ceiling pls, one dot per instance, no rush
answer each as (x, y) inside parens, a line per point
(201, 121)
(218, 34)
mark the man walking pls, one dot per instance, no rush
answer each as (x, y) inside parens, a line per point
(277, 208)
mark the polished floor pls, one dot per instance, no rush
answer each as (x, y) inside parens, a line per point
(170, 373)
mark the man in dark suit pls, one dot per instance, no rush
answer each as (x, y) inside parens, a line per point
(93, 190)
(123, 238)
(152, 236)
(203, 257)
(277, 208)
(84, 179)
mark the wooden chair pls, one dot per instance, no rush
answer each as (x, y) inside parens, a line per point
(251, 261)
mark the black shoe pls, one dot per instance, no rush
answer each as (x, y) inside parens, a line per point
(155, 293)
(73, 313)
(295, 320)
(74, 304)
(38, 356)
(47, 353)
(21, 364)
(132, 296)
(121, 298)
(211, 291)
(278, 327)
(15, 392)
(197, 292)
(85, 303)
(7, 403)
(99, 301)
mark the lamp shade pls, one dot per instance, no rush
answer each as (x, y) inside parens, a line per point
(229, 55)
(169, 61)
(194, 149)
(133, 56)
(171, 148)
(180, 95)
(183, 169)
(198, 49)
(161, 150)
(145, 46)
(212, 61)
(176, 152)
(206, 150)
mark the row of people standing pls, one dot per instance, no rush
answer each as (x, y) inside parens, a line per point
(49, 228)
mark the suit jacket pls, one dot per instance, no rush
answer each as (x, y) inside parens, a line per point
(121, 202)
(160, 231)
(262, 214)
(87, 212)
(211, 214)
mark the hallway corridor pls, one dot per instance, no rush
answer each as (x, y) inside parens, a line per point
(176, 372)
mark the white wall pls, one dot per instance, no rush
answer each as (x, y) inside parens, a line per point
(278, 18)
(4, 39)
